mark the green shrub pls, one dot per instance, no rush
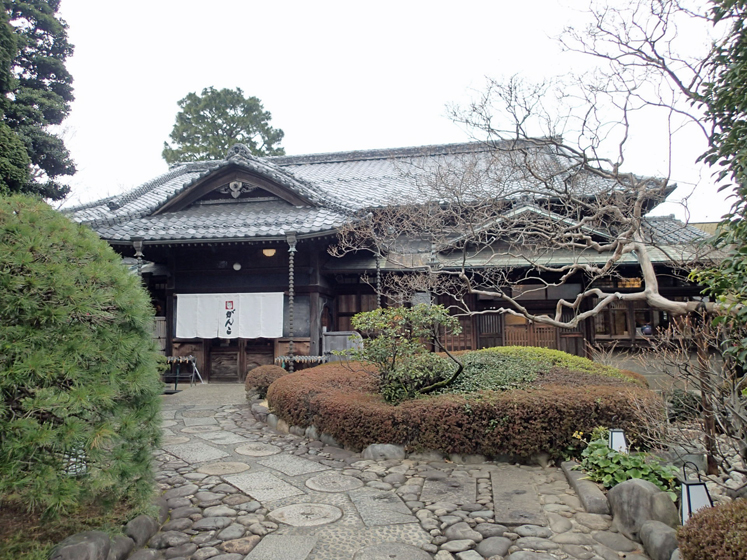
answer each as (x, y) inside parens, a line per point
(343, 400)
(398, 339)
(260, 378)
(497, 371)
(717, 533)
(415, 373)
(512, 367)
(683, 405)
(79, 376)
(610, 467)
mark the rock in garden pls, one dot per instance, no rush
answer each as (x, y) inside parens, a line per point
(526, 555)
(490, 529)
(469, 555)
(616, 541)
(383, 451)
(636, 501)
(241, 546)
(181, 492)
(141, 529)
(184, 512)
(169, 539)
(494, 546)
(233, 531)
(460, 531)
(120, 548)
(91, 545)
(181, 524)
(659, 539)
(536, 543)
(182, 551)
(458, 545)
(219, 511)
(205, 553)
(212, 523)
(533, 531)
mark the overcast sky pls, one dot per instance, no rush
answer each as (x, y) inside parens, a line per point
(335, 76)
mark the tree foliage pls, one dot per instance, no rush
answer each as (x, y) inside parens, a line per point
(210, 123)
(14, 161)
(79, 383)
(726, 104)
(41, 93)
(398, 346)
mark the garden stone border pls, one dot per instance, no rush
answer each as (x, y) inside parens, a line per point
(659, 539)
(592, 498)
(96, 545)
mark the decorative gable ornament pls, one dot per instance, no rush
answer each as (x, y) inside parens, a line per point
(239, 150)
(236, 189)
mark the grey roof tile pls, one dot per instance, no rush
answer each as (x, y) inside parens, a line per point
(337, 184)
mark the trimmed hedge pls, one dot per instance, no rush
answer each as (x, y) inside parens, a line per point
(341, 400)
(718, 533)
(260, 378)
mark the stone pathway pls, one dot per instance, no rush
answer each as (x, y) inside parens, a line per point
(238, 490)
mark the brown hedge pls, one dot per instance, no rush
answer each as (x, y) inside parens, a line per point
(718, 533)
(341, 400)
(260, 378)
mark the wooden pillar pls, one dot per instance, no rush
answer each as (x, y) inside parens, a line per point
(315, 325)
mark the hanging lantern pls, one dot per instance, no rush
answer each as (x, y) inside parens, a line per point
(694, 494)
(617, 441)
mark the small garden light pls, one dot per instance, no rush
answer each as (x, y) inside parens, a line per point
(694, 494)
(617, 441)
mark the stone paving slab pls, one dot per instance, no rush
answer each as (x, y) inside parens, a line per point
(258, 449)
(335, 542)
(222, 438)
(292, 465)
(333, 482)
(454, 491)
(195, 452)
(223, 467)
(379, 507)
(173, 440)
(262, 486)
(515, 497)
(199, 421)
(283, 547)
(194, 413)
(306, 515)
(201, 429)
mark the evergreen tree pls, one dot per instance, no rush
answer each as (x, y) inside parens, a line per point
(209, 124)
(14, 161)
(41, 92)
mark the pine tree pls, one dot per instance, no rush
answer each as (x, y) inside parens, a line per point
(41, 92)
(14, 161)
(209, 124)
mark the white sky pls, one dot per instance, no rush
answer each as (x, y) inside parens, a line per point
(335, 76)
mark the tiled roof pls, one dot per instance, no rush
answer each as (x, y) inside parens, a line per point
(668, 230)
(336, 184)
(226, 221)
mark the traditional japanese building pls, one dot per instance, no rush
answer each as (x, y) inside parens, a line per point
(235, 255)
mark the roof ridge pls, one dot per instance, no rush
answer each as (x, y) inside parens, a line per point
(380, 153)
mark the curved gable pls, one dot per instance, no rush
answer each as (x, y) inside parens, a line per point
(242, 173)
